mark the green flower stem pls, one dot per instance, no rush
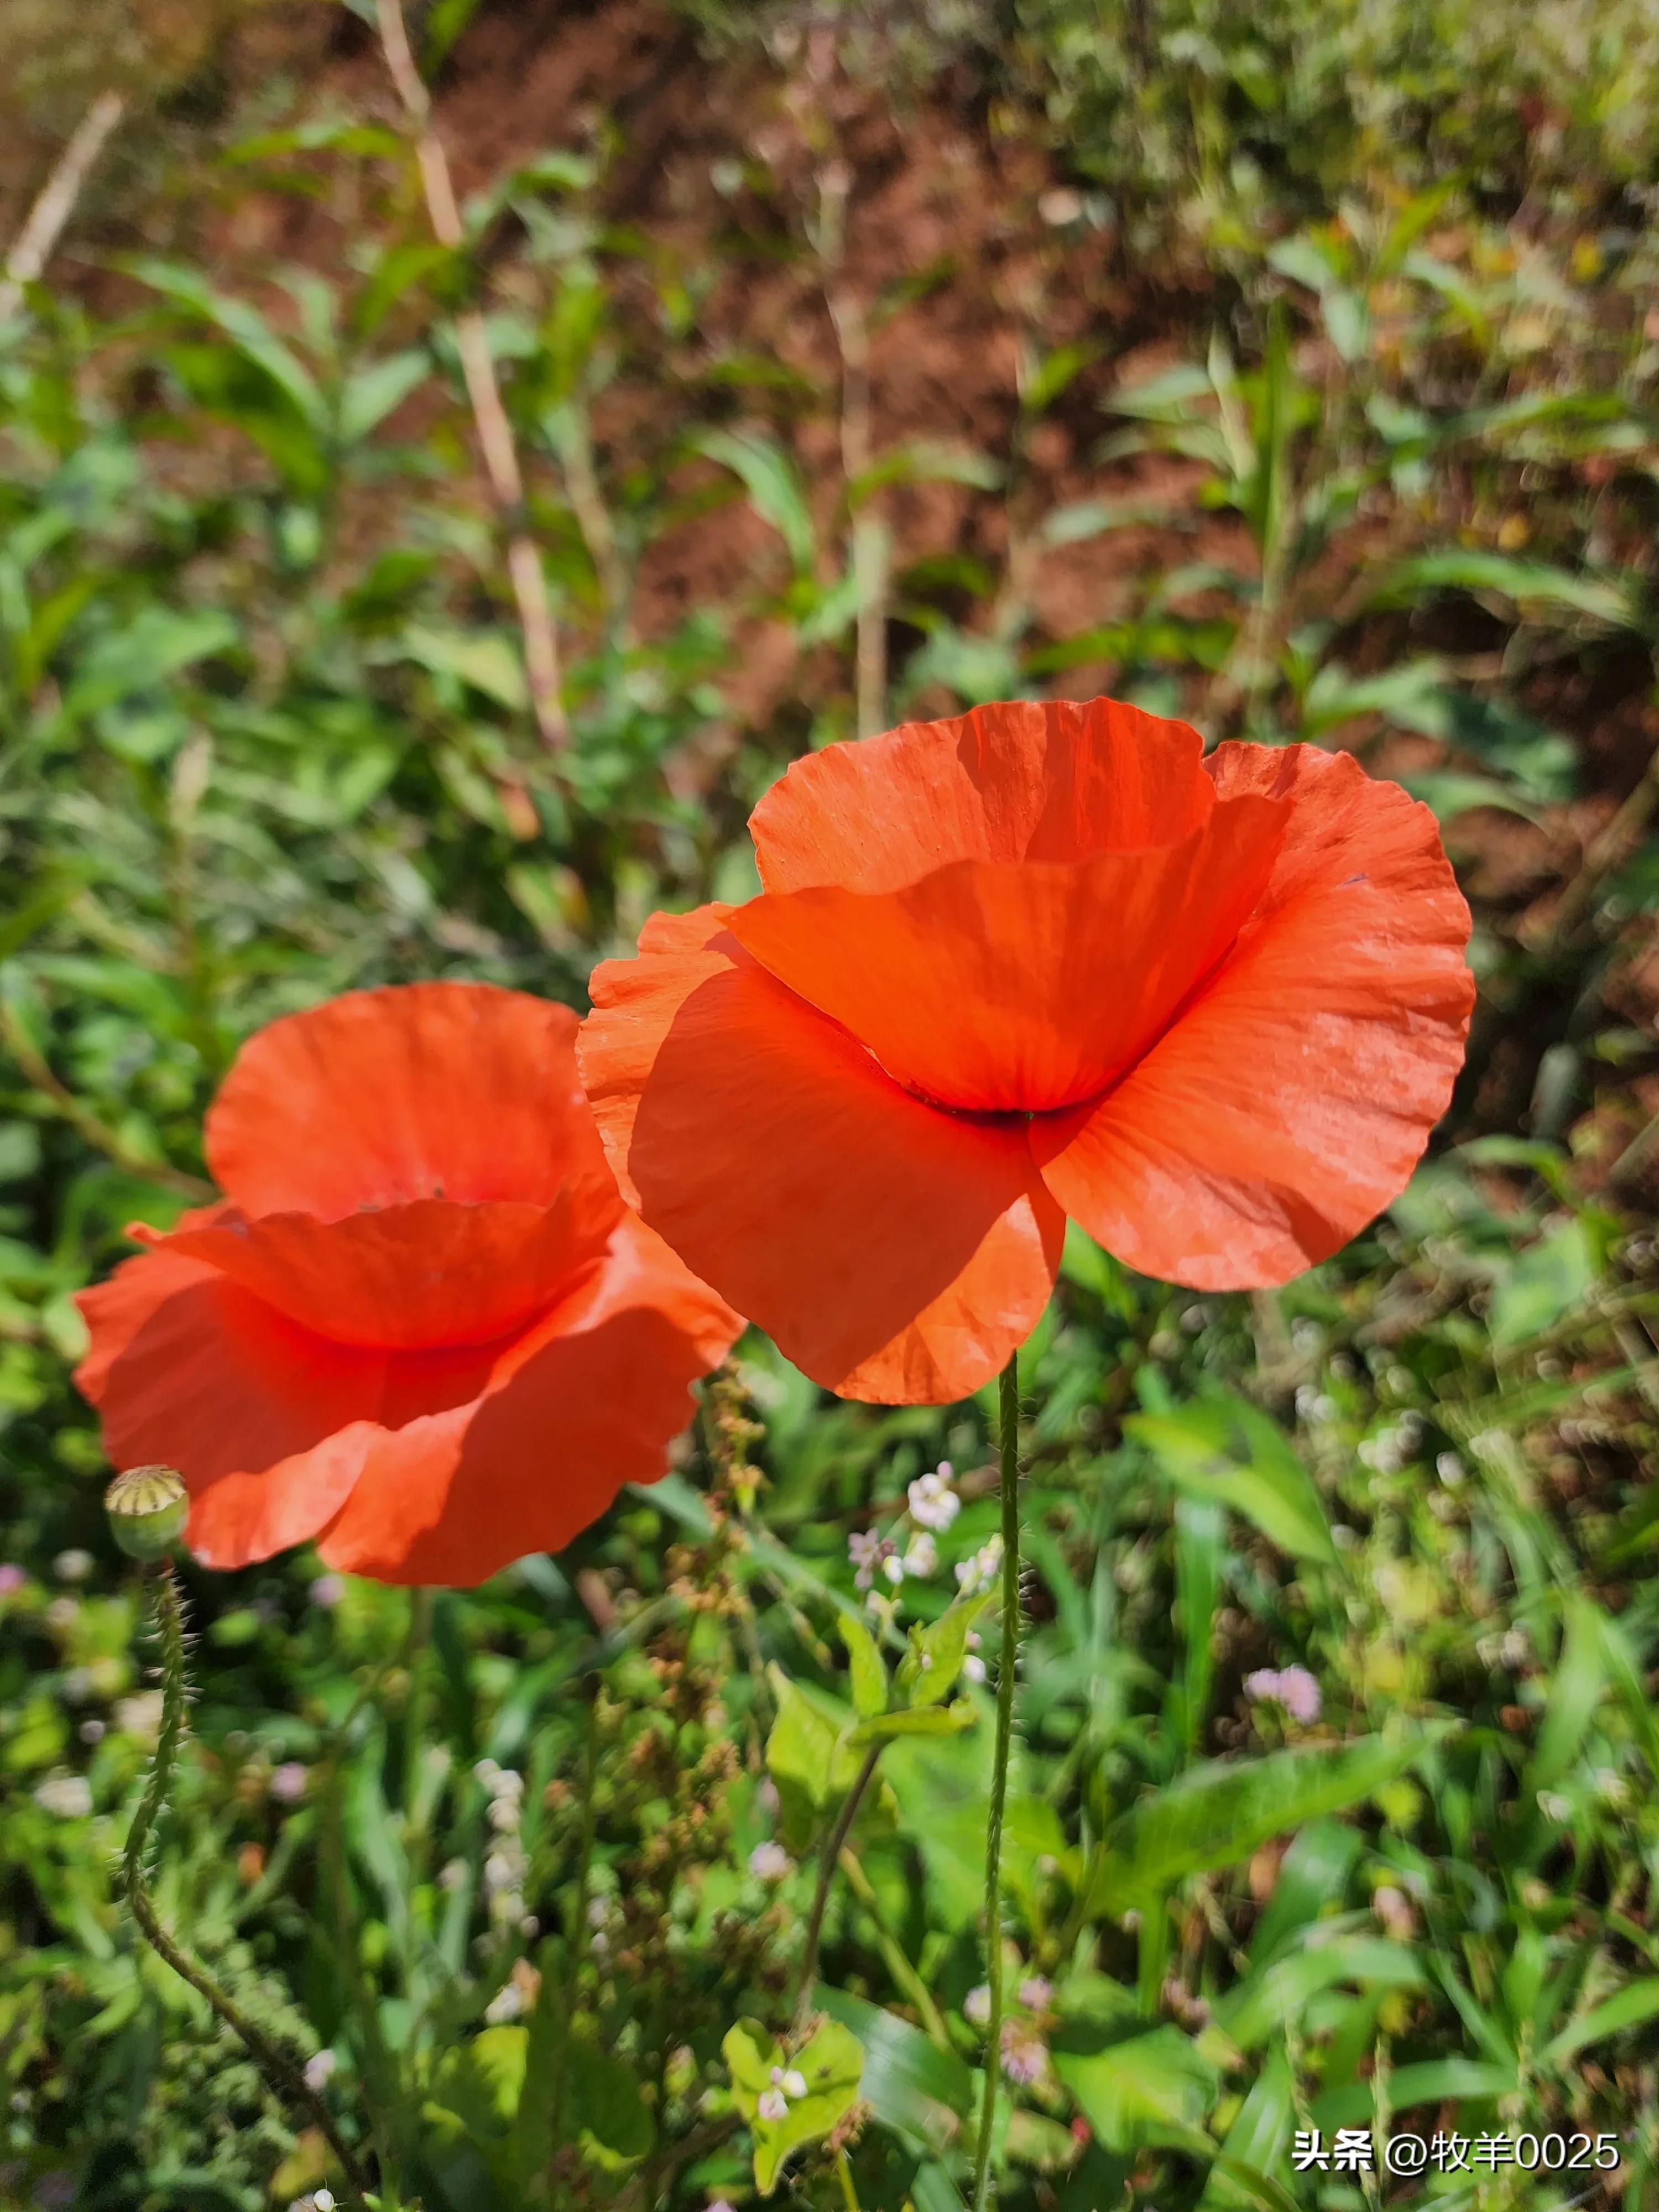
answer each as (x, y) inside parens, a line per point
(279, 2072)
(829, 1859)
(1008, 1423)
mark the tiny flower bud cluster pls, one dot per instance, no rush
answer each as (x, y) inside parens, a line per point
(909, 1551)
(788, 2084)
(505, 1868)
(1292, 1688)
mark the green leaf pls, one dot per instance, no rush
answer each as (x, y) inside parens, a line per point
(1145, 2089)
(772, 483)
(485, 659)
(868, 1668)
(1526, 583)
(910, 2084)
(159, 642)
(1218, 1814)
(1223, 1449)
(1542, 1287)
(916, 1720)
(370, 394)
(245, 326)
(928, 1671)
(831, 2065)
(607, 2100)
(1256, 2142)
(1628, 2007)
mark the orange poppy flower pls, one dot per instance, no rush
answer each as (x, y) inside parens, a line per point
(1039, 960)
(423, 1330)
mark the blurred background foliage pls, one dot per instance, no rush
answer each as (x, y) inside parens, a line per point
(1292, 370)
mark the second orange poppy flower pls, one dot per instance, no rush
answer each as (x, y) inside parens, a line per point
(1039, 960)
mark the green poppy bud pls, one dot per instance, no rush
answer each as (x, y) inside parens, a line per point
(147, 1508)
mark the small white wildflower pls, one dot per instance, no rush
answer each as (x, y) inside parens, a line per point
(893, 1568)
(1552, 1805)
(923, 1557)
(973, 1667)
(91, 1731)
(320, 2070)
(793, 2083)
(933, 1504)
(1450, 1470)
(500, 1872)
(504, 1815)
(323, 2199)
(507, 2004)
(772, 2104)
(599, 1911)
(867, 1551)
(452, 1874)
(67, 1796)
(771, 1862)
(767, 1794)
(1611, 1787)
(326, 1591)
(976, 2005)
(981, 1572)
(485, 1772)
(73, 1565)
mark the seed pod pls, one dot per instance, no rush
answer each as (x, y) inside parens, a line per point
(148, 1507)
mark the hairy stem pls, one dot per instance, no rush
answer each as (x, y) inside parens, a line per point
(829, 1859)
(279, 2072)
(1008, 1410)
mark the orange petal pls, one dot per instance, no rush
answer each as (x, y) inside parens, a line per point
(193, 1372)
(588, 1402)
(893, 1252)
(1289, 1103)
(1051, 779)
(429, 1273)
(455, 1090)
(1002, 987)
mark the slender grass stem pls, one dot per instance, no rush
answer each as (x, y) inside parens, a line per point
(282, 2074)
(829, 1859)
(1008, 1411)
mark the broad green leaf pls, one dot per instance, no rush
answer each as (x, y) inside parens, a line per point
(928, 1671)
(1151, 2088)
(910, 2083)
(1218, 1814)
(915, 1720)
(831, 2065)
(867, 1667)
(1223, 1451)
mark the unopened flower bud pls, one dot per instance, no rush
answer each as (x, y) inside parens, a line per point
(147, 1508)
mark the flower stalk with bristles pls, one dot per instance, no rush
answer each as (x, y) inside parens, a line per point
(148, 1509)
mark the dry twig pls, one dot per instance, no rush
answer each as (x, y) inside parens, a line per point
(52, 209)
